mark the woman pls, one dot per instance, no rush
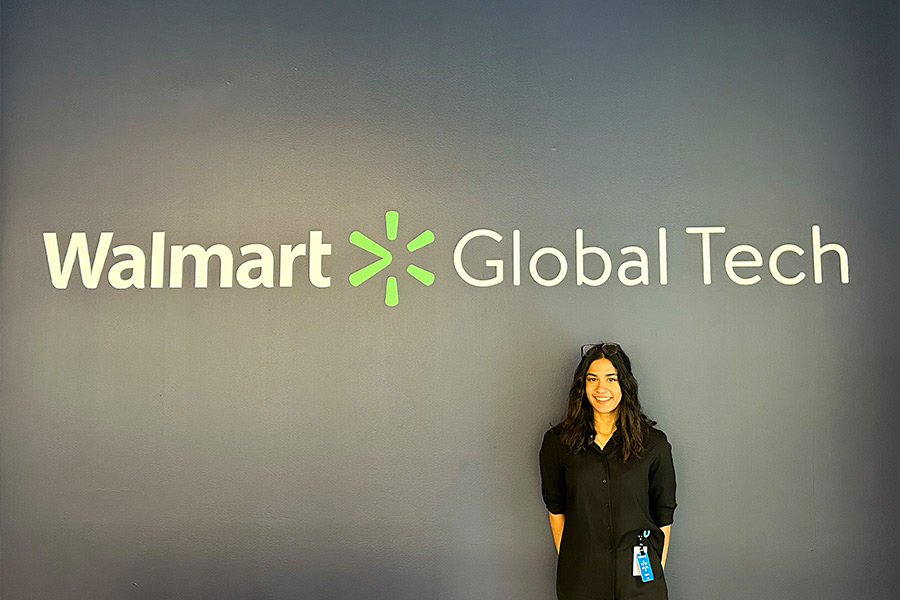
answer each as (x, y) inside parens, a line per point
(609, 484)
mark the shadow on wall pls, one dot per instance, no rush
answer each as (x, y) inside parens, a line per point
(256, 573)
(210, 564)
(350, 576)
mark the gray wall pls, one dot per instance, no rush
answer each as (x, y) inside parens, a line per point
(314, 443)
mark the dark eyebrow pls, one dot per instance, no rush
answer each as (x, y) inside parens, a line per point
(607, 375)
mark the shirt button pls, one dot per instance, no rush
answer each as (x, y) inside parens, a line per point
(604, 481)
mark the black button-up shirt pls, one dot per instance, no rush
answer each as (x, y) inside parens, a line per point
(607, 503)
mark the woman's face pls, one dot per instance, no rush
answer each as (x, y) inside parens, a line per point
(601, 386)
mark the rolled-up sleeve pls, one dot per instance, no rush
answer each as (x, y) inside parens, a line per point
(662, 486)
(553, 477)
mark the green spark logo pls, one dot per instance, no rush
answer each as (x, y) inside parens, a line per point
(360, 240)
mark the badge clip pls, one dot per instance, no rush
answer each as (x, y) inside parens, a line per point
(641, 565)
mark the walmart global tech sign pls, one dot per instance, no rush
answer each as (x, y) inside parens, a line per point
(258, 264)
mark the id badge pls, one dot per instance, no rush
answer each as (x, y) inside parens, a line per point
(641, 565)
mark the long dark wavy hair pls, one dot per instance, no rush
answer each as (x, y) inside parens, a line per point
(577, 429)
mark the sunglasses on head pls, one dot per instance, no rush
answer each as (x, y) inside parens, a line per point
(608, 348)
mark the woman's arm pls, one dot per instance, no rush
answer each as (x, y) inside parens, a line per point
(556, 526)
(662, 493)
(667, 531)
(553, 485)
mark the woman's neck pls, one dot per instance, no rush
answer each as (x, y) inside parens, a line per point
(605, 423)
